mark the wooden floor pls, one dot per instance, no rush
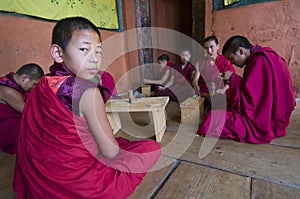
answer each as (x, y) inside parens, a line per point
(230, 169)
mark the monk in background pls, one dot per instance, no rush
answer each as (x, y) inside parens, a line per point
(210, 67)
(261, 101)
(179, 86)
(207, 82)
(165, 73)
(14, 91)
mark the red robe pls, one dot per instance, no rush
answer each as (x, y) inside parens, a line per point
(181, 88)
(209, 73)
(10, 118)
(167, 67)
(108, 81)
(154, 87)
(57, 155)
(9, 128)
(262, 101)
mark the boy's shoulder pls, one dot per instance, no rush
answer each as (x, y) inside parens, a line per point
(8, 82)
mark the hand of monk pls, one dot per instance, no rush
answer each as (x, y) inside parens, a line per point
(196, 87)
(222, 91)
(225, 76)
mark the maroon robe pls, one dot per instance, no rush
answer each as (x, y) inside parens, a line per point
(10, 118)
(154, 87)
(108, 81)
(209, 73)
(262, 101)
(57, 155)
(181, 88)
(167, 67)
(106, 84)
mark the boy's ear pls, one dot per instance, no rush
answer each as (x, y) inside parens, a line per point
(56, 53)
(25, 78)
(241, 50)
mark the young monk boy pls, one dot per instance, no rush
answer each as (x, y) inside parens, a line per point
(165, 73)
(67, 146)
(261, 102)
(208, 70)
(210, 67)
(14, 90)
(178, 87)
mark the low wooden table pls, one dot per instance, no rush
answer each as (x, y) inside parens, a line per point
(192, 111)
(155, 105)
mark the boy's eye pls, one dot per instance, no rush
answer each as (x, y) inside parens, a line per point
(98, 52)
(84, 49)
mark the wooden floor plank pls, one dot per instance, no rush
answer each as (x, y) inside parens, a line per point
(7, 192)
(291, 139)
(195, 181)
(295, 119)
(154, 178)
(264, 189)
(294, 125)
(268, 162)
(275, 166)
(7, 165)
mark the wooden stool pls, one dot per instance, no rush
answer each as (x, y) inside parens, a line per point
(192, 111)
(155, 105)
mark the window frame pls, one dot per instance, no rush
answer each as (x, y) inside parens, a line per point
(219, 4)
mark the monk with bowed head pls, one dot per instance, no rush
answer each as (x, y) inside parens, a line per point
(261, 101)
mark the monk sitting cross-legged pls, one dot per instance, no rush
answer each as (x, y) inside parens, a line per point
(261, 101)
(179, 86)
(208, 70)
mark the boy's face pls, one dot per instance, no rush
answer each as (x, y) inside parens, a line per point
(83, 55)
(163, 63)
(238, 58)
(185, 57)
(26, 83)
(211, 48)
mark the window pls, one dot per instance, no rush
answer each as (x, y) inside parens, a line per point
(223, 4)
